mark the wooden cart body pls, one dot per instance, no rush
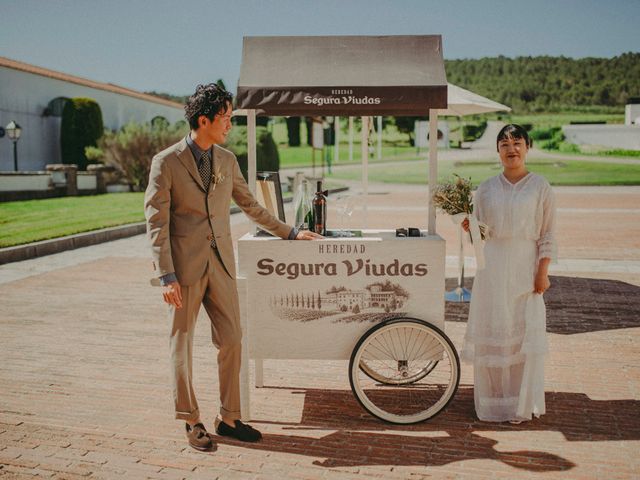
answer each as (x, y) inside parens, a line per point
(314, 300)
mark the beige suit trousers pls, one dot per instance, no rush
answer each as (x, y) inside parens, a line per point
(217, 291)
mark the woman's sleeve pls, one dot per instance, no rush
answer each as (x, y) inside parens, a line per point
(547, 247)
(479, 208)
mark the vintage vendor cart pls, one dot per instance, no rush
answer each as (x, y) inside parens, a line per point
(374, 299)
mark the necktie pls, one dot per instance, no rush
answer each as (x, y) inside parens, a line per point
(204, 168)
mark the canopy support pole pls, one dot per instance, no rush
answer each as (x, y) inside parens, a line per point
(336, 125)
(379, 137)
(364, 139)
(350, 139)
(433, 167)
(251, 151)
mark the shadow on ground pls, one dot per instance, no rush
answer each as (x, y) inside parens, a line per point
(452, 436)
(576, 305)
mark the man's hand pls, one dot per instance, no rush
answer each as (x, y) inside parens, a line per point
(308, 235)
(172, 294)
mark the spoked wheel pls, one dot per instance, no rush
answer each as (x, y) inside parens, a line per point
(402, 367)
(388, 365)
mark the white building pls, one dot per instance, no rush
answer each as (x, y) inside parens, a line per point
(625, 136)
(32, 97)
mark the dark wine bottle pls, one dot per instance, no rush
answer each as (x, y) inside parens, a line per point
(320, 211)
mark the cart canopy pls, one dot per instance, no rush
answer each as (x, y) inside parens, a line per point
(342, 75)
(463, 102)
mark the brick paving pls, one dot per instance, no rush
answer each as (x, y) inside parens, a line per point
(84, 388)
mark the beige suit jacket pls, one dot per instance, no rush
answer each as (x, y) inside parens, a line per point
(182, 217)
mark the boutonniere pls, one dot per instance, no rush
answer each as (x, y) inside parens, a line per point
(217, 179)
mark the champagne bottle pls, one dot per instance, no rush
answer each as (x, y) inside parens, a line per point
(320, 211)
(302, 202)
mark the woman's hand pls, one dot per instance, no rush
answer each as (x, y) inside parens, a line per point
(541, 283)
(465, 225)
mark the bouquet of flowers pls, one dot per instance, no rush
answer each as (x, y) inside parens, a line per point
(454, 198)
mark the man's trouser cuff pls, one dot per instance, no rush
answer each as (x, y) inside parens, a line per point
(232, 414)
(188, 416)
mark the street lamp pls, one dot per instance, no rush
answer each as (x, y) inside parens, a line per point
(13, 131)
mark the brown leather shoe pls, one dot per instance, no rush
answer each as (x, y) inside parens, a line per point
(198, 437)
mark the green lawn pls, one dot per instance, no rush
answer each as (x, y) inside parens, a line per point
(33, 220)
(566, 172)
(547, 120)
(302, 156)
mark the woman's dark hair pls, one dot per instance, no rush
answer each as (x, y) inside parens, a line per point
(513, 131)
(208, 100)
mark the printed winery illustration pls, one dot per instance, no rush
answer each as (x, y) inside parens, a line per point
(375, 302)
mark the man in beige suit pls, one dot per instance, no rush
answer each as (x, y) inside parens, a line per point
(187, 204)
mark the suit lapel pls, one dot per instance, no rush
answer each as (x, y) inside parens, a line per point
(186, 158)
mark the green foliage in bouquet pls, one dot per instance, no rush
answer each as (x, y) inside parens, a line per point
(455, 196)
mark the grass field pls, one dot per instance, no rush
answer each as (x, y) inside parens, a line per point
(33, 220)
(302, 156)
(566, 172)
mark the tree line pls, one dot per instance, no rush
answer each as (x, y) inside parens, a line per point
(550, 84)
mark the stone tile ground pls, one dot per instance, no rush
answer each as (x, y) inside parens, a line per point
(84, 384)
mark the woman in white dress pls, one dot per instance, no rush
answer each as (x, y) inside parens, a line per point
(506, 331)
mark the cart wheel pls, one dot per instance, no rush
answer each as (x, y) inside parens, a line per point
(393, 385)
(395, 380)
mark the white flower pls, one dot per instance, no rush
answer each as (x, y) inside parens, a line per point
(217, 179)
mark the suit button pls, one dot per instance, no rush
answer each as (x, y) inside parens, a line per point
(211, 217)
(209, 237)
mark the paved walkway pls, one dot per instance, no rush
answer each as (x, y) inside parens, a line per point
(84, 385)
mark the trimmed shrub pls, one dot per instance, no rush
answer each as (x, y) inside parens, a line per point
(132, 148)
(293, 131)
(472, 132)
(544, 133)
(268, 158)
(81, 127)
(554, 139)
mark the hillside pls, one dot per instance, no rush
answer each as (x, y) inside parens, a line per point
(548, 84)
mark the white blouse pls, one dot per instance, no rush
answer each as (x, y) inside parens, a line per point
(522, 210)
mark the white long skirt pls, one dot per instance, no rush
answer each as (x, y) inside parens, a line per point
(506, 334)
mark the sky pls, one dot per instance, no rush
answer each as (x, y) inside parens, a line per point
(171, 46)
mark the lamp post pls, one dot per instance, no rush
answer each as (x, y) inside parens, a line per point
(14, 131)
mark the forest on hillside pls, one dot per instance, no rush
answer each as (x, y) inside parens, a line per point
(551, 84)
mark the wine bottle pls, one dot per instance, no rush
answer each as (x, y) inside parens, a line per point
(320, 211)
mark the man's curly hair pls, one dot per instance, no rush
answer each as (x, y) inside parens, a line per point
(208, 100)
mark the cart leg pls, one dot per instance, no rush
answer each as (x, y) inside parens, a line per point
(259, 373)
(245, 391)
